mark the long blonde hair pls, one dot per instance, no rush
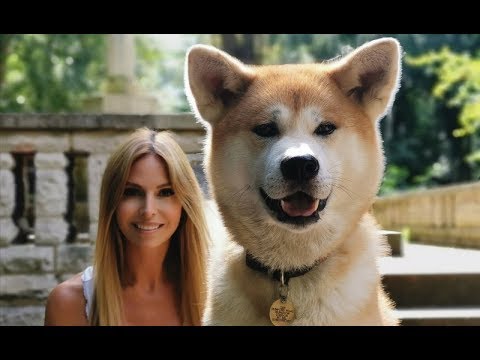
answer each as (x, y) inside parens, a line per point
(187, 251)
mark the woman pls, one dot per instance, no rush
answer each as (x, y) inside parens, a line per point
(150, 254)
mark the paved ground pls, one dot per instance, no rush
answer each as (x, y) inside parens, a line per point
(432, 259)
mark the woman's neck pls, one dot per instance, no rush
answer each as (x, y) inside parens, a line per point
(145, 267)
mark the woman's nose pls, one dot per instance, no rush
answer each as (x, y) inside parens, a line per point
(149, 206)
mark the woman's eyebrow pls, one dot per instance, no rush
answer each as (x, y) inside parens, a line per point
(129, 183)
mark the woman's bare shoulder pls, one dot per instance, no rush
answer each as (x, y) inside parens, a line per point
(66, 304)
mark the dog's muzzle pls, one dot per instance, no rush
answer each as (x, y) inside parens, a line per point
(297, 209)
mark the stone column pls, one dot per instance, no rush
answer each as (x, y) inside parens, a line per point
(123, 94)
(99, 145)
(51, 192)
(96, 167)
(8, 230)
(121, 56)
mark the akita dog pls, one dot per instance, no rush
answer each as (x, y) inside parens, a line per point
(294, 160)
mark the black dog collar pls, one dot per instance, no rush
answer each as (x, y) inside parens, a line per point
(254, 264)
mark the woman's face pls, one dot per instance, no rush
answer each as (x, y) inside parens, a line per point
(149, 212)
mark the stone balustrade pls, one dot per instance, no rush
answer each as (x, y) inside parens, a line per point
(46, 160)
(448, 215)
(8, 230)
(50, 172)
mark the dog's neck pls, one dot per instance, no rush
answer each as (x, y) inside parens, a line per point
(276, 274)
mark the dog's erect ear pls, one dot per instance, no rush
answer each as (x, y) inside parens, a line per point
(371, 75)
(214, 80)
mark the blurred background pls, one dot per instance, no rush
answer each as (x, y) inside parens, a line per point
(434, 122)
(66, 100)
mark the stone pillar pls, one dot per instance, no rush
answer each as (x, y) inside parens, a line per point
(51, 195)
(96, 167)
(123, 94)
(121, 56)
(8, 230)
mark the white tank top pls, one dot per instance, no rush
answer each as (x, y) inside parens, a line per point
(87, 281)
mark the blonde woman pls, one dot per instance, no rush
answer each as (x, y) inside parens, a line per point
(150, 253)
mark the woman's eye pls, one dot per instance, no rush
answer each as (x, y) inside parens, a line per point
(132, 192)
(166, 192)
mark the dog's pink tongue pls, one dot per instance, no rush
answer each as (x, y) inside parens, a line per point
(299, 204)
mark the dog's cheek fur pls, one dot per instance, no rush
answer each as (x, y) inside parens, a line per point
(233, 178)
(363, 163)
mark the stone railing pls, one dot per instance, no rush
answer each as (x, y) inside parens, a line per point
(447, 215)
(50, 173)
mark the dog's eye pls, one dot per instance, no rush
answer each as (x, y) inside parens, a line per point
(325, 129)
(266, 130)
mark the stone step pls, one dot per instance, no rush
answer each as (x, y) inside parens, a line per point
(440, 317)
(432, 276)
(433, 290)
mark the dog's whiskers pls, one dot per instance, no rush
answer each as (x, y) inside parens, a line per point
(352, 195)
(237, 195)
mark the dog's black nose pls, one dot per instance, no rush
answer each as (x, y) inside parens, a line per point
(300, 168)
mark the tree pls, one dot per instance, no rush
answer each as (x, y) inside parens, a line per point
(159, 68)
(5, 40)
(458, 86)
(50, 72)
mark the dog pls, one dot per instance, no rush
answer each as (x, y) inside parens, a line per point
(294, 159)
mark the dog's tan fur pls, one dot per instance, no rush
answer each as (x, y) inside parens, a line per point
(231, 99)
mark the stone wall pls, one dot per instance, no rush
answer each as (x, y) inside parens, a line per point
(448, 215)
(31, 266)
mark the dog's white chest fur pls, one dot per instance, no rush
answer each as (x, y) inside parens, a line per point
(240, 295)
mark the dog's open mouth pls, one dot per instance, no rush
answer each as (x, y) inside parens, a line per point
(298, 208)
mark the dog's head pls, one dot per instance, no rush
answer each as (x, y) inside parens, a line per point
(293, 147)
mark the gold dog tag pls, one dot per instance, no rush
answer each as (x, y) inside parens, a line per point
(282, 312)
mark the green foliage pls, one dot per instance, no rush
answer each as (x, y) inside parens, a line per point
(159, 68)
(57, 72)
(394, 179)
(51, 73)
(458, 84)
